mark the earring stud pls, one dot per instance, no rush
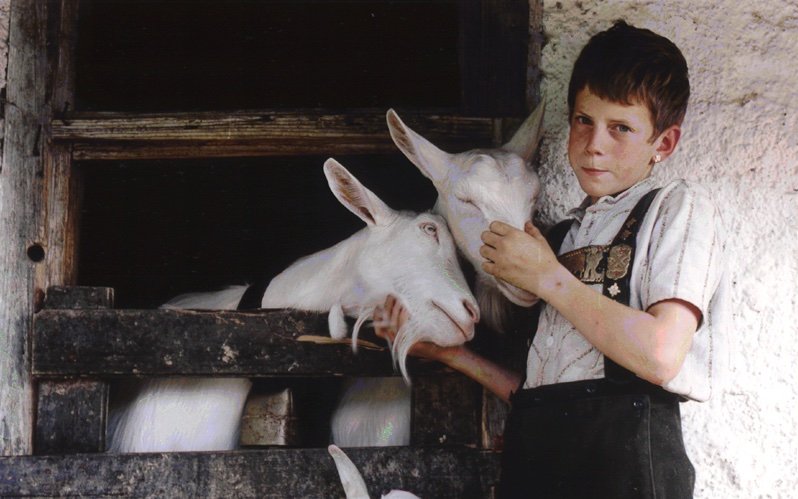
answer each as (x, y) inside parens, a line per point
(657, 158)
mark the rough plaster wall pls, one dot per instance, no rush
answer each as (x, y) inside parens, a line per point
(4, 7)
(741, 141)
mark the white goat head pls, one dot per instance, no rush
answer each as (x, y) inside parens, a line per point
(352, 480)
(475, 188)
(411, 256)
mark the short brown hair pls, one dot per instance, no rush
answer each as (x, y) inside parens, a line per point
(628, 65)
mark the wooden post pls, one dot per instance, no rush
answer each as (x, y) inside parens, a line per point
(21, 249)
(494, 37)
(37, 198)
(71, 413)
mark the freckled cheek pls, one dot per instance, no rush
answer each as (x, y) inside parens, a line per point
(574, 139)
(575, 147)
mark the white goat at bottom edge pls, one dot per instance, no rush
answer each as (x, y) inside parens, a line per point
(352, 480)
(411, 256)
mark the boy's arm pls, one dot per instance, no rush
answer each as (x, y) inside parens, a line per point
(499, 380)
(651, 343)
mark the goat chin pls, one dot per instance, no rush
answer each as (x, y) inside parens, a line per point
(494, 307)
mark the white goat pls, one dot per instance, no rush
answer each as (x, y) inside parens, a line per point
(352, 480)
(476, 187)
(411, 256)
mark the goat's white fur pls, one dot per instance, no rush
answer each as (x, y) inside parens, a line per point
(409, 255)
(352, 481)
(372, 412)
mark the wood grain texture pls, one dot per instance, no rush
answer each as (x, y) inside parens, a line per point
(272, 473)
(263, 133)
(21, 205)
(185, 342)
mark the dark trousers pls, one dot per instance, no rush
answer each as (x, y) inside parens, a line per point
(595, 439)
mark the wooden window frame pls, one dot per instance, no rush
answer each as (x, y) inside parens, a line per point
(44, 137)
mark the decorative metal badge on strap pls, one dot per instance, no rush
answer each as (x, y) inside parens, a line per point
(610, 264)
(594, 264)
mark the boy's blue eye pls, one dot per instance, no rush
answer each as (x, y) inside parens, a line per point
(624, 129)
(583, 120)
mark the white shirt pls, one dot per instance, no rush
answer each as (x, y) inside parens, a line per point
(680, 254)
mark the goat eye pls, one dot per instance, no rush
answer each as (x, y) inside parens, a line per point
(430, 229)
(468, 202)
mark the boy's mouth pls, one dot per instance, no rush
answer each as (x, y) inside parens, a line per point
(593, 171)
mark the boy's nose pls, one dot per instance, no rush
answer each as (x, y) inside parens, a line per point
(594, 145)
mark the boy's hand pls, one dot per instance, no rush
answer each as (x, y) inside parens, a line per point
(522, 258)
(391, 316)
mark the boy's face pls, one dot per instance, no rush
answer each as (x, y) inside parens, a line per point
(609, 145)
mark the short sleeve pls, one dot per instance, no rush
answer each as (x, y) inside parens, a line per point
(684, 258)
(685, 240)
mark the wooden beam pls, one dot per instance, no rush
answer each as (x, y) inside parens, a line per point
(184, 342)
(453, 471)
(125, 136)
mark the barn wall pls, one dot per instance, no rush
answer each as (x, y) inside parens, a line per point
(739, 141)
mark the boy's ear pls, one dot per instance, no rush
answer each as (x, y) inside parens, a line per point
(668, 140)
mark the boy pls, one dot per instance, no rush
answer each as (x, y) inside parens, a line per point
(634, 304)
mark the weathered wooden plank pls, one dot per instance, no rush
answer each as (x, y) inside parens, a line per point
(21, 220)
(144, 150)
(456, 472)
(63, 35)
(446, 410)
(71, 413)
(59, 238)
(79, 297)
(169, 342)
(494, 56)
(537, 39)
(266, 124)
(268, 132)
(70, 417)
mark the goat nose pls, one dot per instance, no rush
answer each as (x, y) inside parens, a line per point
(473, 311)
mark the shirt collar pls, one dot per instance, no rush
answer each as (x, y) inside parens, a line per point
(608, 202)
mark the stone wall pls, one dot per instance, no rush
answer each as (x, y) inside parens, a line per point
(740, 141)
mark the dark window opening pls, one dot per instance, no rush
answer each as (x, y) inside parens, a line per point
(180, 55)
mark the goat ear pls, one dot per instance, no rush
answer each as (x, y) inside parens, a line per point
(432, 161)
(359, 200)
(351, 479)
(526, 139)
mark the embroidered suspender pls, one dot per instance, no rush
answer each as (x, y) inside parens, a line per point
(608, 264)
